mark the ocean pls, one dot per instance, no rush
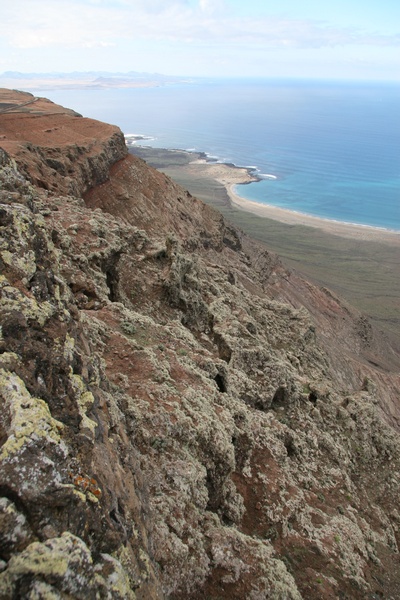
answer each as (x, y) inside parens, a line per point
(329, 149)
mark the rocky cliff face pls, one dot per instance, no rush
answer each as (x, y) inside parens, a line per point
(180, 416)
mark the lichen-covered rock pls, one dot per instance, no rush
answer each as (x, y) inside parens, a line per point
(15, 532)
(63, 567)
(177, 417)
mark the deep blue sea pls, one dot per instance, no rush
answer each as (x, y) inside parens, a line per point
(330, 149)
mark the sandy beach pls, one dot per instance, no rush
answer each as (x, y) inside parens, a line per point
(360, 263)
(229, 176)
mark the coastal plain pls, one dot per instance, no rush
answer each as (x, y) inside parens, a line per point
(360, 263)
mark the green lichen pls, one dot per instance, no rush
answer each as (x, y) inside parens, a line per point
(30, 417)
(65, 562)
(129, 564)
(43, 591)
(92, 498)
(80, 495)
(8, 358)
(69, 345)
(85, 400)
(24, 263)
(117, 583)
(11, 298)
(128, 327)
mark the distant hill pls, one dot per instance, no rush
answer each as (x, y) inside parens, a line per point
(85, 79)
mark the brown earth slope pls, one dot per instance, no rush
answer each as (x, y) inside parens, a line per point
(180, 416)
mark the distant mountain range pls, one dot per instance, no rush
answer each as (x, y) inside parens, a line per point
(87, 79)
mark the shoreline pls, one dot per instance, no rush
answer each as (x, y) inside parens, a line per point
(202, 165)
(360, 263)
(230, 175)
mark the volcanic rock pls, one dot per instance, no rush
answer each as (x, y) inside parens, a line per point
(181, 416)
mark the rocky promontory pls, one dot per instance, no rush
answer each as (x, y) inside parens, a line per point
(181, 416)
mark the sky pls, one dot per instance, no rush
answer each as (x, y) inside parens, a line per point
(333, 39)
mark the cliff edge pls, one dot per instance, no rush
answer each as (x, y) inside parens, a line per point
(181, 417)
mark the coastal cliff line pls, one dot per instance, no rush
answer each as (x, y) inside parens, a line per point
(181, 416)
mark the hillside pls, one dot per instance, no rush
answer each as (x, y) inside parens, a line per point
(361, 264)
(181, 417)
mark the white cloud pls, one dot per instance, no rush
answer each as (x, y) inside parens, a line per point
(90, 23)
(213, 6)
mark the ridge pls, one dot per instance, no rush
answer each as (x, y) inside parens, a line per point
(182, 417)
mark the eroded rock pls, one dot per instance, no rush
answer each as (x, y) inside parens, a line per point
(176, 421)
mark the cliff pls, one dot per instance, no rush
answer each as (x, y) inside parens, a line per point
(181, 417)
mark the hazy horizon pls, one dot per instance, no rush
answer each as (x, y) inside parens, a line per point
(69, 80)
(344, 40)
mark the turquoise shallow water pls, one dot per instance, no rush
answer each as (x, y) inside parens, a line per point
(326, 149)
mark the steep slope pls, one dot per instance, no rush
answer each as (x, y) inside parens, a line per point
(181, 417)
